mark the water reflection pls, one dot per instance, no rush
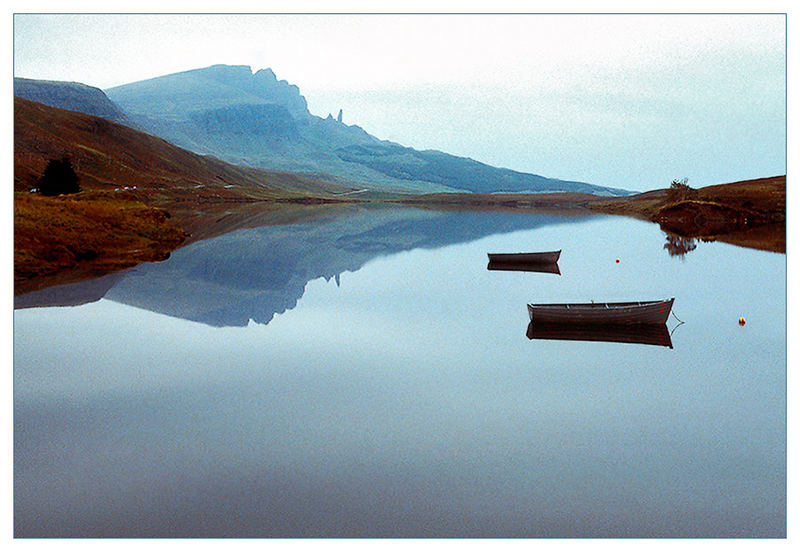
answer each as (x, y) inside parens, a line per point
(68, 295)
(766, 237)
(543, 261)
(678, 246)
(645, 334)
(407, 402)
(254, 274)
(546, 268)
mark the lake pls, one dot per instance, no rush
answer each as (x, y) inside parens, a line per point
(364, 375)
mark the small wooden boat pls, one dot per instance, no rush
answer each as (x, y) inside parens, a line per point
(544, 257)
(635, 312)
(644, 334)
(549, 268)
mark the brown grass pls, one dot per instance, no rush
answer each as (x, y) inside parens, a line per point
(750, 213)
(101, 231)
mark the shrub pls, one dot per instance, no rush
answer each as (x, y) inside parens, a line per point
(680, 190)
(59, 178)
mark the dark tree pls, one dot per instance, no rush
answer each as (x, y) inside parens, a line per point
(59, 178)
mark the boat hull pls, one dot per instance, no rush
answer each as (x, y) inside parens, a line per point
(638, 312)
(545, 257)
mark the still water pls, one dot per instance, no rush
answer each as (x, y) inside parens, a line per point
(365, 375)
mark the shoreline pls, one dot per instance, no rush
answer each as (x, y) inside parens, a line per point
(67, 239)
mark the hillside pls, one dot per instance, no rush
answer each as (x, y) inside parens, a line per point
(108, 156)
(254, 119)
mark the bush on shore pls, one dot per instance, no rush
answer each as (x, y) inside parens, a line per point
(679, 190)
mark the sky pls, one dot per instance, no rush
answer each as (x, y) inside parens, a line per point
(628, 101)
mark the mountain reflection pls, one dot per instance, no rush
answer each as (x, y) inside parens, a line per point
(253, 274)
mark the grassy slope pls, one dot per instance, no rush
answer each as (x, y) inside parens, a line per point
(765, 196)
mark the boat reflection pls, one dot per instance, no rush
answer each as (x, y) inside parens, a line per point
(645, 334)
(548, 268)
(544, 261)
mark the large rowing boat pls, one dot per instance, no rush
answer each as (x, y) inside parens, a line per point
(635, 312)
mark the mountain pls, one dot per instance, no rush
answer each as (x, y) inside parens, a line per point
(73, 96)
(257, 120)
(175, 95)
(110, 156)
(250, 119)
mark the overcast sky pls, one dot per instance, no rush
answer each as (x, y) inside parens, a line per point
(629, 101)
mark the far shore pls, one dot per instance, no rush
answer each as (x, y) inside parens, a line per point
(95, 233)
(751, 213)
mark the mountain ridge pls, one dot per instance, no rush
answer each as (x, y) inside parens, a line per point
(323, 146)
(253, 119)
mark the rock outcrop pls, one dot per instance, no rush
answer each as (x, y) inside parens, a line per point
(264, 120)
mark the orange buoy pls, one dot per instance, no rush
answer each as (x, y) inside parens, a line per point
(742, 321)
(617, 261)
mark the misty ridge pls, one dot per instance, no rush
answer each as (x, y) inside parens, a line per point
(254, 119)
